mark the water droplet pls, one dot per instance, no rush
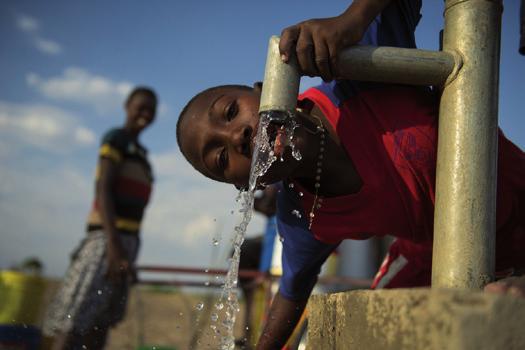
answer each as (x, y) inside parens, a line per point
(84, 347)
(180, 314)
(296, 213)
(291, 185)
(214, 317)
(219, 306)
(216, 241)
(247, 328)
(296, 154)
(206, 270)
(99, 292)
(301, 194)
(68, 316)
(281, 238)
(207, 283)
(200, 306)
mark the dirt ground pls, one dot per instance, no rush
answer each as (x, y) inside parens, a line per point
(162, 320)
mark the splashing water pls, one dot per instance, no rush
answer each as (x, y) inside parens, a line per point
(262, 159)
(296, 213)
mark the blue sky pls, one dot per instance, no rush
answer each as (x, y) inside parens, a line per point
(66, 68)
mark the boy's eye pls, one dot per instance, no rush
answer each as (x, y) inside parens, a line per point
(222, 159)
(231, 111)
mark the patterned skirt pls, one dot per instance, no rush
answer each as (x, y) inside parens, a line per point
(86, 300)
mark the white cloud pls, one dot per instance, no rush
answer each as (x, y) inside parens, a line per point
(27, 23)
(80, 86)
(43, 126)
(84, 136)
(48, 46)
(31, 26)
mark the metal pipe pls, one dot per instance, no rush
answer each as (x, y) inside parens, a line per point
(396, 65)
(281, 81)
(365, 63)
(465, 212)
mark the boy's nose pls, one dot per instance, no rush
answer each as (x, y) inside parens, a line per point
(242, 140)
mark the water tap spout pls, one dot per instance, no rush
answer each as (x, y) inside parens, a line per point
(280, 86)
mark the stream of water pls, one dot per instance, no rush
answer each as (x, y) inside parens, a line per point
(263, 157)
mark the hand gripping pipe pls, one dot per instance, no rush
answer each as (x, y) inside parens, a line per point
(468, 73)
(365, 63)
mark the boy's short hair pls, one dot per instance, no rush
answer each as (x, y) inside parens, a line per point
(141, 90)
(190, 102)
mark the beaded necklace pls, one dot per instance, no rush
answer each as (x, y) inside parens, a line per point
(318, 199)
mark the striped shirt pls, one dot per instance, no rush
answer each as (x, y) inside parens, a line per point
(133, 182)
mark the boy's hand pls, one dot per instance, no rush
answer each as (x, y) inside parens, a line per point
(119, 267)
(514, 286)
(317, 43)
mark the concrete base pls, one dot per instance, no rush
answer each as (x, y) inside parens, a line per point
(416, 319)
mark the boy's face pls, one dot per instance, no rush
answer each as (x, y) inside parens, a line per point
(218, 135)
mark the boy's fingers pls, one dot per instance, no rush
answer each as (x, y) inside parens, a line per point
(306, 55)
(288, 40)
(333, 53)
(517, 291)
(322, 60)
(495, 287)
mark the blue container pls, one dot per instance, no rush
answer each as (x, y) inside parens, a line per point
(19, 337)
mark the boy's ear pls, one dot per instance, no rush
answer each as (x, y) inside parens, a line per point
(257, 86)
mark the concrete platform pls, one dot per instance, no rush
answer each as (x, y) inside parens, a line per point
(416, 319)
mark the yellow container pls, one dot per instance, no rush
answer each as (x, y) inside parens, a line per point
(20, 297)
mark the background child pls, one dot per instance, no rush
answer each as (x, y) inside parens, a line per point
(94, 292)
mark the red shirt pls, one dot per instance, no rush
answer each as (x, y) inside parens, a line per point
(391, 136)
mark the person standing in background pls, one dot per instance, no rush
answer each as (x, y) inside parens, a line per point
(94, 292)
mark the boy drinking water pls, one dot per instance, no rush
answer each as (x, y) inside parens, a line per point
(367, 169)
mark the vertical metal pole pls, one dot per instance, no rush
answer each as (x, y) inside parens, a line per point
(465, 214)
